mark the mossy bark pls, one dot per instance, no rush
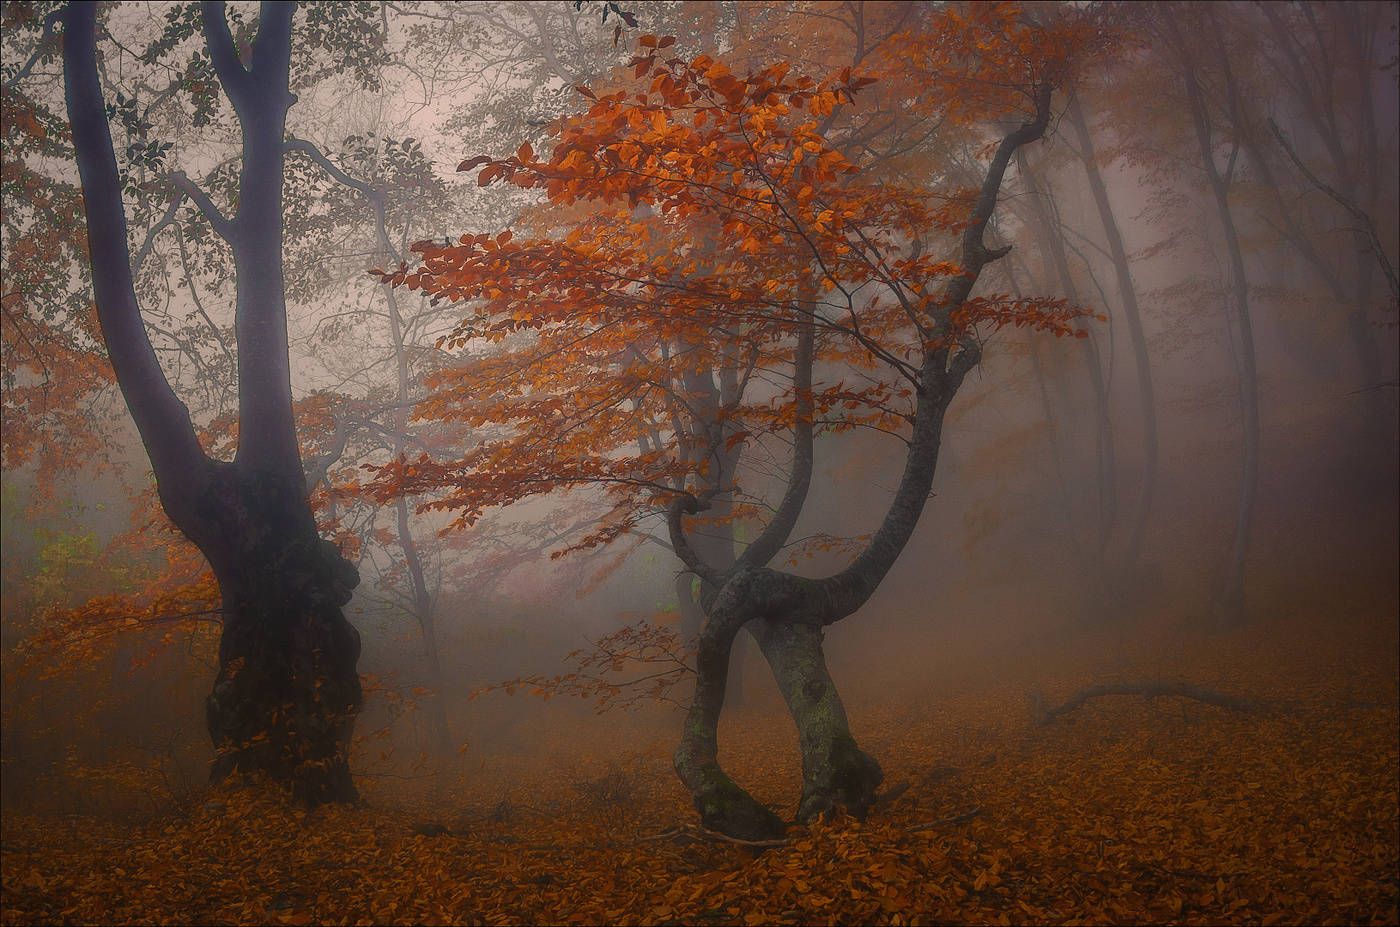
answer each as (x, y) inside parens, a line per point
(835, 771)
(723, 805)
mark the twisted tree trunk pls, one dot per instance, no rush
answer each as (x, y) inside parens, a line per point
(835, 771)
(723, 805)
(788, 611)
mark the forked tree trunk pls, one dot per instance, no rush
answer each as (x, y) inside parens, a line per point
(286, 695)
(791, 610)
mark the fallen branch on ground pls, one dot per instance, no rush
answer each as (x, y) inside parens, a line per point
(702, 835)
(893, 792)
(697, 834)
(1042, 715)
(944, 822)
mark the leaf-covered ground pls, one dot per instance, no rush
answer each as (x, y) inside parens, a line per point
(1126, 811)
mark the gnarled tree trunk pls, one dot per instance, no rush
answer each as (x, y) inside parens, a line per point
(287, 693)
(723, 805)
(835, 771)
(787, 611)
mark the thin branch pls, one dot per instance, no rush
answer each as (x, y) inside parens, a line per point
(1372, 239)
(166, 220)
(1042, 715)
(217, 219)
(40, 50)
(944, 822)
(704, 835)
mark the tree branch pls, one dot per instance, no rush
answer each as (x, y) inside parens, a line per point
(689, 504)
(776, 532)
(45, 38)
(1372, 239)
(217, 219)
(222, 52)
(161, 418)
(316, 155)
(1041, 715)
(155, 230)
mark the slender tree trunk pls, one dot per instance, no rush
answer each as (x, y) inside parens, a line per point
(835, 771)
(420, 596)
(427, 627)
(1350, 173)
(437, 703)
(1106, 467)
(1037, 342)
(1228, 604)
(1132, 316)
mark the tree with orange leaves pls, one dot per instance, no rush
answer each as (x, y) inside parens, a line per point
(732, 254)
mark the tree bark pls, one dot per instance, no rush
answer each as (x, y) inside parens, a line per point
(421, 598)
(835, 771)
(437, 701)
(1228, 604)
(688, 603)
(723, 805)
(1132, 316)
(1106, 466)
(287, 692)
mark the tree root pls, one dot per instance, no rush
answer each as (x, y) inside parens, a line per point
(1042, 715)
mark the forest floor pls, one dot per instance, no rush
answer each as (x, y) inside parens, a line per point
(1126, 811)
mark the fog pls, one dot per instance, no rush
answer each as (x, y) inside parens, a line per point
(1234, 530)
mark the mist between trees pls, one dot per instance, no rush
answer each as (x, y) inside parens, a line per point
(371, 369)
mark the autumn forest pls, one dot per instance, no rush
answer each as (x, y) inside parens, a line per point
(700, 462)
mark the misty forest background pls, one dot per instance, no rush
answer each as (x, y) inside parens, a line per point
(1188, 492)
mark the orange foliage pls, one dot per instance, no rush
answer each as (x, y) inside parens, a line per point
(723, 219)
